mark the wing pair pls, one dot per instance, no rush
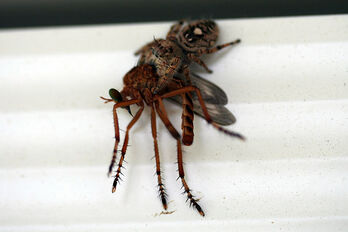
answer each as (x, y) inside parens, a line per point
(215, 99)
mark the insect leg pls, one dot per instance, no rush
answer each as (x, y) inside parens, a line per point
(193, 201)
(117, 129)
(204, 109)
(217, 48)
(174, 30)
(163, 115)
(191, 56)
(125, 144)
(162, 192)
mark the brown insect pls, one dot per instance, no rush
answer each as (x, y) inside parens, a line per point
(140, 84)
(183, 44)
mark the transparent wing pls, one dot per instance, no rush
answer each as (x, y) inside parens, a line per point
(214, 98)
(211, 93)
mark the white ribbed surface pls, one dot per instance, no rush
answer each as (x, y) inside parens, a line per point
(287, 84)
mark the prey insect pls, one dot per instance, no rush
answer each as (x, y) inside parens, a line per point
(184, 44)
(139, 89)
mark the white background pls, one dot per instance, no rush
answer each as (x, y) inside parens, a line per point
(287, 86)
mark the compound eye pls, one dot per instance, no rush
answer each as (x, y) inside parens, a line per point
(115, 95)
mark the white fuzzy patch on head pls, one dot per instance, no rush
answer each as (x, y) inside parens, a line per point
(197, 31)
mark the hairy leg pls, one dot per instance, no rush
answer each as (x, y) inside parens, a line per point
(162, 192)
(163, 115)
(190, 197)
(194, 58)
(117, 129)
(125, 144)
(217, 48)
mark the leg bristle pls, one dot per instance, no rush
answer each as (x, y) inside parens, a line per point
(158, 172)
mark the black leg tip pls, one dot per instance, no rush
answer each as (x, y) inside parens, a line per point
(199, 209)
(164, 203)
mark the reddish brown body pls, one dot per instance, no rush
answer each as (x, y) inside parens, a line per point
(143, 79)
(139, 88)
(187, 119)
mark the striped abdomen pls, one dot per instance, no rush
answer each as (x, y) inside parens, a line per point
(187, 119)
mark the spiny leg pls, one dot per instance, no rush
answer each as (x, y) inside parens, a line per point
(117, 129)
(163, 115)
(193, 201)
(162, 192)
(117, 139)
(125, 144)
(204, 109)
(217, 48)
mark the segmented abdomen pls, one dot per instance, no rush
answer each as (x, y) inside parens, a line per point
(187, 119)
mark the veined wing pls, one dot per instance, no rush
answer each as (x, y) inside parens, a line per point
(211, 93)
(214, 98)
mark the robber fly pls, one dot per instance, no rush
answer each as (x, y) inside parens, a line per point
(139, 85)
